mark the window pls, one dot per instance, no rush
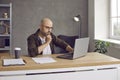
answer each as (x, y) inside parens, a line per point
(115, 19)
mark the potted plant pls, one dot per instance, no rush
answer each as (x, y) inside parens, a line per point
(101, 46)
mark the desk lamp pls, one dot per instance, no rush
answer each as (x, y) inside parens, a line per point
(78, 19)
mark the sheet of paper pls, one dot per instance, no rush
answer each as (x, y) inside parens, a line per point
(8, 62)
(43, 60)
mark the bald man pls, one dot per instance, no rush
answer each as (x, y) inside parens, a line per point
(43, 40)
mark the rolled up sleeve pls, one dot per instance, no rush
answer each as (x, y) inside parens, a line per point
(59, 42)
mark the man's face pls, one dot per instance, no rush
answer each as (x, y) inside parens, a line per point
(46, 28)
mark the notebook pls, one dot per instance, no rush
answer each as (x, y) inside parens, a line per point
(80, 49)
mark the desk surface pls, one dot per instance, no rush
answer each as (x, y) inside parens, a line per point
(91, 59)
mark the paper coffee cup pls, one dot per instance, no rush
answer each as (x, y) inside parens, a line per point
(17, 52)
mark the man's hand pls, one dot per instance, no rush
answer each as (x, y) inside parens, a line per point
(70, 49)
(48, 38)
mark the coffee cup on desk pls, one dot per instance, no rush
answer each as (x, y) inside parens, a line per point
(17, 52)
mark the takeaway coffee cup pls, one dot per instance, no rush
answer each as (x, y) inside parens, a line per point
(17, 51)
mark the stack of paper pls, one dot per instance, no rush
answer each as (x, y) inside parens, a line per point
(43, 60)
(9, 62)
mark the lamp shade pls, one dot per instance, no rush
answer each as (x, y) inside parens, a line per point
(77, 18)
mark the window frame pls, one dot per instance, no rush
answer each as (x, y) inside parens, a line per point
(112, 36)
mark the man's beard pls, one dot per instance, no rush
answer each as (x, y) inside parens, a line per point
(45, 34)
(48, 33)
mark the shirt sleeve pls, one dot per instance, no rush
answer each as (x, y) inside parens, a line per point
(32, 47)
(59, 42)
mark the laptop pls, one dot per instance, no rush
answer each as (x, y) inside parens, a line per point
(80, 49)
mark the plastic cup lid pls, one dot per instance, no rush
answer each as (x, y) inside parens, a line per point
(17, 48)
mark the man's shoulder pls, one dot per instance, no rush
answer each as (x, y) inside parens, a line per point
(32, 36)
(53, 35)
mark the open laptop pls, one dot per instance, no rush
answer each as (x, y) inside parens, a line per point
(80, 49)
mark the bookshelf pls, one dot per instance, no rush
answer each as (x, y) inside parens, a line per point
(5, 27)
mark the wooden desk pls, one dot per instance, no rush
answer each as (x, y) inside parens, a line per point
(93, 66)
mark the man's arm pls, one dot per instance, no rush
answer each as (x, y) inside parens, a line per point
(69, 49)
(61, 43)
(32, 46)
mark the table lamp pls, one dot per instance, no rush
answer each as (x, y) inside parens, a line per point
(78, 19)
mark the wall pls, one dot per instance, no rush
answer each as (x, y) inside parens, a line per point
(28, 13)
(91, 24)
(101, 18)
(98, 20)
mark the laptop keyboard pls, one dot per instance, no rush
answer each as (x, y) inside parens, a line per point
(66, 56)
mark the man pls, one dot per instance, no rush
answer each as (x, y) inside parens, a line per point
(43, 40)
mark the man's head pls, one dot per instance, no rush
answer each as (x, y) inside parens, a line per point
(46, 26)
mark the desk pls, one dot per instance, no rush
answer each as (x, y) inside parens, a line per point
(93, 66)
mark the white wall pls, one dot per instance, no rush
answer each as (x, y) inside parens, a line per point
(97, 20)
(101, 18)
